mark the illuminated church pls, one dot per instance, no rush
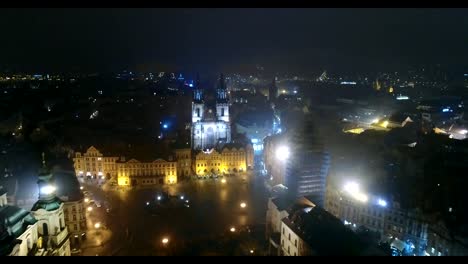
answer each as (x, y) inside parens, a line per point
(210, 116)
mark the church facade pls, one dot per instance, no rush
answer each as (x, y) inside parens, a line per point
(210, 117)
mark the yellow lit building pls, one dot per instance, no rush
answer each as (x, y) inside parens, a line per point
(134, 172)
(230, 159)
(94, 164)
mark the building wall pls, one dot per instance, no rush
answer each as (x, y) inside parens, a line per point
(387, 220)
(57, 230)
(146, 173)
(184, 162)
(227, 161)
(28, 239)
(75, 219)
(208, 134)
(93, 163)
(290, 241)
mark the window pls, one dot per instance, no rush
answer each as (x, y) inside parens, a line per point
(295, 254)
(295, 242)
(289, 236)
(289, 251)
(75, 227)
(74, 217)
(283, 230)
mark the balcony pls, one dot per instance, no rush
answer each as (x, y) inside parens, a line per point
(60, 236)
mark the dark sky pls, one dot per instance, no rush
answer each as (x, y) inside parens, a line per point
(231, 39)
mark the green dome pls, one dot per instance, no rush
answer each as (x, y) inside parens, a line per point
(48, 205)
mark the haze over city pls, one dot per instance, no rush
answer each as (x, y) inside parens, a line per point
(233, 132)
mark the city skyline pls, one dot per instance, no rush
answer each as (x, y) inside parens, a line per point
(287, 40)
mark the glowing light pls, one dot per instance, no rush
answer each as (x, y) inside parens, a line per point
(147, 203)
(251, 251)
(384, 124)
(463, 131)
(81, 187)
(165, 240)
(243, 205)
(282, 153)
(352, 188)
(90, 208)
(375, 120)
(223, 181)
(100, 173)
(159, 197)
(382, 202)
(233, 229)
(182, 197)
(97, 225)
(402, 97)
(86, 200)
(165, 126)
(48, 189)
(445, 110)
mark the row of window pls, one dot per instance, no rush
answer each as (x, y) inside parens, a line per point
(150, 165)
(216, 164)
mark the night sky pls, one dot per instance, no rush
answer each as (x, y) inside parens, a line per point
(288, 40)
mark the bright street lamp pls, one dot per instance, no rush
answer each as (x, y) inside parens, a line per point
(81, 188)
(233, 229)
(165, 240)
(90, 208)
(86, 200)
(97, 225)
(243, 205)
(282, 153)
(223, 181)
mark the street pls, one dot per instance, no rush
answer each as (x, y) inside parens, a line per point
(215, 207)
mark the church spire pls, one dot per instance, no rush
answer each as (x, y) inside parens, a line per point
(197, 92)
(45, 182)
(221, 91)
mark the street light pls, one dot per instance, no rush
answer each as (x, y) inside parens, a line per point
(233, 229)
(251, 251)
(81, 188)
(223, 181)
(97, 225)
(282, 153)
(86, 200)
(90, 208)
(165, 240)
(243, 205)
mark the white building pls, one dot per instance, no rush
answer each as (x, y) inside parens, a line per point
(18, 230)
(48, 211)
(210, 117)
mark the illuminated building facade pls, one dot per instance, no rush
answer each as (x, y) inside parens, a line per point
(75, 218)
(48, 211)
(210, 117)
(134, 172)
(94, 164)
(230, 159)
(407, 229)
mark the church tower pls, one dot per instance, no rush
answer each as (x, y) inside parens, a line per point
(48, 211)
(197, 103)
(210, 116)
(222, 101)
